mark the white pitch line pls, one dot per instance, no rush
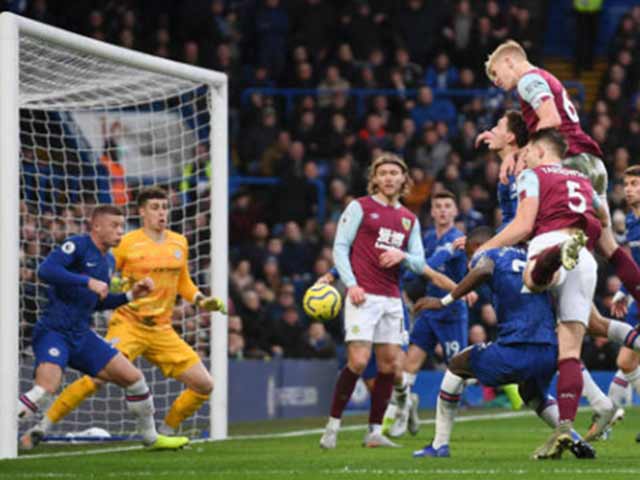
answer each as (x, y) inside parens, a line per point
(266, 436)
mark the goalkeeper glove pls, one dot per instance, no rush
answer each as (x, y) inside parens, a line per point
(211, 304)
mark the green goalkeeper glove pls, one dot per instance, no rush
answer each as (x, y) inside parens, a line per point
(211, 304)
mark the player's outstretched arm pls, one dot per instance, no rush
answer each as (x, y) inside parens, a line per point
(114, 300)
(480, 273)
(519, 229)
(439, 280)
(211, 303)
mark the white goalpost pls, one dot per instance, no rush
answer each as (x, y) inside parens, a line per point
(83, 122)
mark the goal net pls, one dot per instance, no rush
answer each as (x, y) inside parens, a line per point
(96, 124)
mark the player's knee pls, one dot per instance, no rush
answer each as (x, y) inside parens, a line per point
(204, 386)
(131, 377)
(460, 364)
(358, 363)
(627, 365)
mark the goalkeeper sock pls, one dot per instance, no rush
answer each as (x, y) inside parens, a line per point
(140, 402)
(511, 391)
(70, 398)
(450, 392)
(31, 402)
(618, 388)
(184, 406)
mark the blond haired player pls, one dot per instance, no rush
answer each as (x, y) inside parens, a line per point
(143, 327)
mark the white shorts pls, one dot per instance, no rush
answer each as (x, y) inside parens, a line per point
(378, 320)
(575, 288)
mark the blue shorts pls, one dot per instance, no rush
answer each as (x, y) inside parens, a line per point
(632, 314)
(496, 364)
(86, 352)
(450, 330)
(371, 370)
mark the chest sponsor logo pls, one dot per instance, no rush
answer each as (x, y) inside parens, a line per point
(374, 216)
(91, 264)
(406, 223)
(388, 238)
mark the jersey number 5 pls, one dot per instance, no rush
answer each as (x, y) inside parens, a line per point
(577, 202)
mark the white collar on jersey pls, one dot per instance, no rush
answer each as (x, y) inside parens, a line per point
(377, 200)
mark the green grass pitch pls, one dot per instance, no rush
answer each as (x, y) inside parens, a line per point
(483, 447)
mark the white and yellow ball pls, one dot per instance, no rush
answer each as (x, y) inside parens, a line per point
(322, 302)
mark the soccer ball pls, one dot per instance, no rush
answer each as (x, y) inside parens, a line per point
(322, 302)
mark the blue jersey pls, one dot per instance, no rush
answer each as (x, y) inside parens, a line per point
(633, 240)
(67, 270)
(633, 235)
(508, 200)
(442, 257)
(522, 317)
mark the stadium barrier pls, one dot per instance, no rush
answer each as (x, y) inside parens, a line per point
(361, 95)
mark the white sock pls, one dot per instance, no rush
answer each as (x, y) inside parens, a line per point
(45, 424)
(375, 429)
(450, 389)
(333, 423)
(596, 397)
(34, 400)
(400, 394)
(166, 429)
(391, 410)
(618, 388)
(549, 412)
(634, 379)
(619, 331)
(140, 402)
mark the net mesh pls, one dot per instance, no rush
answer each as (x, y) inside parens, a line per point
(95, 131)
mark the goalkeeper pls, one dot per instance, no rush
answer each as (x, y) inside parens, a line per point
(143, 327)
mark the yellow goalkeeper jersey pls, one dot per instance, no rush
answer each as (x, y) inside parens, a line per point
(138, 256)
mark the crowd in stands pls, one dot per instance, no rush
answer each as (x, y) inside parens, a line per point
(414, 49)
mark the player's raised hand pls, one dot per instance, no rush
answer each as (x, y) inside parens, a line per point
(507, 167)
(98, 287)
(427, 303)
(459, 243)
(212, 304)
(391, 258)
(326, 279)
(471, 298)
(356, 295)
(142, 288)
(484, 137)
(619, 305)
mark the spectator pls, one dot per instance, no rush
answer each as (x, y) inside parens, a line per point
(318, 343)
(427, 109)
(441, 74)
(271, 30)
(332, 82)
(410, 72)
